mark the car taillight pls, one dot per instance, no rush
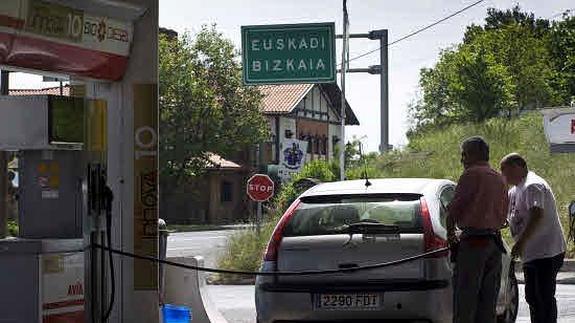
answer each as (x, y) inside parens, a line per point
(271, 253)
(430, 240)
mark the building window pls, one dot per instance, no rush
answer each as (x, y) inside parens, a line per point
(324, 145)
(317, 145)
(226, 192)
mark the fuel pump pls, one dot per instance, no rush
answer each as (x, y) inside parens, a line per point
(64, 208)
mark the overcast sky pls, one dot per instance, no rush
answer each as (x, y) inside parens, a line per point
(399, 17)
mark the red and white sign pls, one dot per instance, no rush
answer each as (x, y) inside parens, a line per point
(260, 187)
(559, 125)
(63, 288)
(47, 36)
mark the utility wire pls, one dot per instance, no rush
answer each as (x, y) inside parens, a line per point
(418, 31)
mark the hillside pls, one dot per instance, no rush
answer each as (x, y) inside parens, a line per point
(435, 154)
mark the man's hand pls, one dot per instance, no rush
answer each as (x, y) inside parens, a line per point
(517, 250)
(452, 238)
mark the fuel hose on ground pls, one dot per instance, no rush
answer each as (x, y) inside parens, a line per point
(275, 273)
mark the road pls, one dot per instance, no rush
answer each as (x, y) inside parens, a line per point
(237, 305)
(209, 244)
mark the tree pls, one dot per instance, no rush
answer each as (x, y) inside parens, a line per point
(437, 105)
(562, 53)
(513, 62)
(481, 87)
(204, 107)
(496, 19)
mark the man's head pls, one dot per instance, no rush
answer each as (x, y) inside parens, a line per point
(474, 150)
(514, 168)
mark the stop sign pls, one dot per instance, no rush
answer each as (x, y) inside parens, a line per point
(260, 187)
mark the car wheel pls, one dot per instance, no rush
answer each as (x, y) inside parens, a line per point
(512, 309)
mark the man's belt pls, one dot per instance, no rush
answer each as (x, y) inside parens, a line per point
(471, 233)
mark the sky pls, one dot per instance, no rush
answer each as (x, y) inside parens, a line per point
(406, 58)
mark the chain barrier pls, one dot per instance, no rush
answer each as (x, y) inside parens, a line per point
(275, 273)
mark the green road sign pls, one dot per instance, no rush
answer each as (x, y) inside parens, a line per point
(300, 53)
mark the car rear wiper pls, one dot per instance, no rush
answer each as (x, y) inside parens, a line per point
(369, 226)
(372, 228)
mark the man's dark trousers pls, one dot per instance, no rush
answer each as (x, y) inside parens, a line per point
(540, 281)
(477, 279)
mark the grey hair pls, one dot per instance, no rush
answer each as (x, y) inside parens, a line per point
(478, 146)
(514, 159)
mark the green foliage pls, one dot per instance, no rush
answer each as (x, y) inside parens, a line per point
(244, 252)
(480, 86)
(204, 107)
(562, 52)
(514, 62)
(12, 228)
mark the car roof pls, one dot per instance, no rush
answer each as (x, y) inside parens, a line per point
(421, 186)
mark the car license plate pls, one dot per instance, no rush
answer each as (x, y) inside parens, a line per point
(359, 301)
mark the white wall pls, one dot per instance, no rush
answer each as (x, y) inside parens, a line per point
(334, 130)
(286, 124)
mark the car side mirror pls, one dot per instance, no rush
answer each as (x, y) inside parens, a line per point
(572, 209)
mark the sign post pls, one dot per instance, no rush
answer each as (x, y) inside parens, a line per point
(298, 53)
(260, 188)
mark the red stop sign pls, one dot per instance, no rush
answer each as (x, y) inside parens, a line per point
(260, 187)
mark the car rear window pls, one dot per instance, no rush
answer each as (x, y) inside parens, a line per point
(325, 215)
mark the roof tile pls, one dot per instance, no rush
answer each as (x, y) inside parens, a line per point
(282, 98)
(45, 91)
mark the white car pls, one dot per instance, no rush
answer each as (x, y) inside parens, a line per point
(349, 224)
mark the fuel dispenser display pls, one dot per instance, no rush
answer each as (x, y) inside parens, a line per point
(64, 207)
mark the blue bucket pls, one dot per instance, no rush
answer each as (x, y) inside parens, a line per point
(176, 314)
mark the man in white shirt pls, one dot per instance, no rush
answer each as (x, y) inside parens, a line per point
(538, 235)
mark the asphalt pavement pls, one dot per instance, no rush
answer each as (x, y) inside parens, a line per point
(237, 304)
(208, 244)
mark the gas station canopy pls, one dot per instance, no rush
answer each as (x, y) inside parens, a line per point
(90, 38)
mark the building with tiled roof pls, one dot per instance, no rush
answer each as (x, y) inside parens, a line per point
(306, 112)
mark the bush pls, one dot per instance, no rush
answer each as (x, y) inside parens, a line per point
(244, 252)
(12, 228)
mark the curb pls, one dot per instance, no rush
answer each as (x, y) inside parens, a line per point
(187, 287)
(568, 266)
(565, 280)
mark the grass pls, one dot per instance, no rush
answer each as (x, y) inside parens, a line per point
(435, 154)
(244, 252)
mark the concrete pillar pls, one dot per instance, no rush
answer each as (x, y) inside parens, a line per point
(132, 170)
(3, 194)
(3, 167)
